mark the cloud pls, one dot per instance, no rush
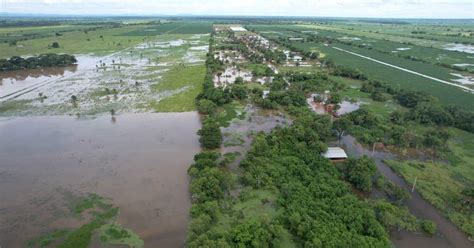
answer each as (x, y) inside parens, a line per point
(343, 8)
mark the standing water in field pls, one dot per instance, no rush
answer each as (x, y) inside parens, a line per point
(138, 161)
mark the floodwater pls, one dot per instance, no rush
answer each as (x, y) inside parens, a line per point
(122, 81)
(463, 79)
(139, 161)
(256, 121)
(345, 107)
(448, 234)
(459, 47)
(13, 81)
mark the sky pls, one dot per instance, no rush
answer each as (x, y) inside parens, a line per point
(315, 8)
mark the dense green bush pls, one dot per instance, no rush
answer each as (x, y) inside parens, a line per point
(43, 60)
(210, 134)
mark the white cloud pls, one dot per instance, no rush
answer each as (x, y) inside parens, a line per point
(343, 8)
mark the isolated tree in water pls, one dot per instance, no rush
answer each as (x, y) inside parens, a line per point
(210, 133)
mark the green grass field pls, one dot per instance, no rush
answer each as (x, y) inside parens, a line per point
(76, 42)
(187, 78)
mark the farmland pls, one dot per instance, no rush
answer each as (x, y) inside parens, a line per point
(446, 94)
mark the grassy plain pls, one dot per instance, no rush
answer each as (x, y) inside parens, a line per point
(100, 42)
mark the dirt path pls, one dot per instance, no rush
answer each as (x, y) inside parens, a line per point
(406, 70)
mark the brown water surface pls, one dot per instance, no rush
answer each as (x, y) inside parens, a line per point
(139, 161)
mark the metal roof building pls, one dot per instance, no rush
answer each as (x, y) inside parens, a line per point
(335, 153)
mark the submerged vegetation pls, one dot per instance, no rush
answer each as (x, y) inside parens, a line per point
(102, 213)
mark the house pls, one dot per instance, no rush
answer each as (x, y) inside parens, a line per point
(335, 154)
(265, 94)
(295, 39)
(297, 58)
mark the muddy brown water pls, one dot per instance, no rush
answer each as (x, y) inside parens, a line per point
(256, 122)
(448, 234)
(20, 80)
(139, 161)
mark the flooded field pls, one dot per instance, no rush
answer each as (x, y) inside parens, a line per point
(123, 81)
(138, 161)
(449, 236)
(238, 136)
(344, 107)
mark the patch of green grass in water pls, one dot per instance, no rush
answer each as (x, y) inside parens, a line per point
(176, 78)
(115, 234)
(228, 112)
(14, 106)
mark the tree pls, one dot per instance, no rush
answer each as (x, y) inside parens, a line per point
(239, 80)
(239, 91)
(210, 133)
(360, 172)
(205, 106)
(429, 227)
(335, 98)
(341, 125)
(55, 44)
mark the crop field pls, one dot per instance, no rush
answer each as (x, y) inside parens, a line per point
(383, 36)
(447, 94)
(25, 33)
(447, 32)
(427, 54)
(173, 28)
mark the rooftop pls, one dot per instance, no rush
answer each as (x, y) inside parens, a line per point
(238, 29)
(335, 153)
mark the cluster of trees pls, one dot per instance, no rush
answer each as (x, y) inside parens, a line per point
(209, 99)
(370, 128)
(423, 108)
(316, 207)
(43, 60)
(33, 23)
(348, 72)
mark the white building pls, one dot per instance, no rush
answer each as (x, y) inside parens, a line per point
(238, 29)
(335, 154)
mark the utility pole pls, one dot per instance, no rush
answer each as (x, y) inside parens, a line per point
(414, 184)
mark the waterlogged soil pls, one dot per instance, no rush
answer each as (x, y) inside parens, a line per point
(121, 81)
(138, 161)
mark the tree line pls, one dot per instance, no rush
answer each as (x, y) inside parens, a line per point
(40, 61)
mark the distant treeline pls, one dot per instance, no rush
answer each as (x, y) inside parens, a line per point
(43, 60)
(35, 23)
